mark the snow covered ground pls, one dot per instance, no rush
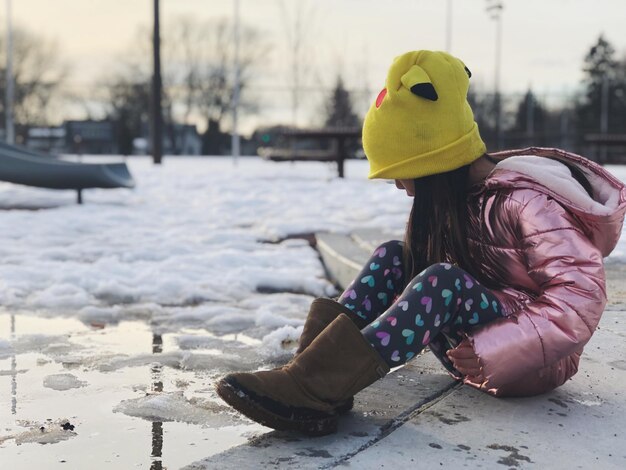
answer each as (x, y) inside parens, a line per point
(137, 300)
(189, 244)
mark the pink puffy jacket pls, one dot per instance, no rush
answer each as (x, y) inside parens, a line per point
(540, 239)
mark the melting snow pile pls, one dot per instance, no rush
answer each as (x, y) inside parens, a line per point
(195, 232)
(196, 245)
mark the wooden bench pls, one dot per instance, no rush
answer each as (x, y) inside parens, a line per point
(277, 154)
(337, 152)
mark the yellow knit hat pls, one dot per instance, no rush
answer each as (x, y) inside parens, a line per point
(421, 123)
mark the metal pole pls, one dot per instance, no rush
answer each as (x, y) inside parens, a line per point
(449, 27)
(564, 125)
(8, 110)
(530, 116)
(604, 110)
(495, 7)
(497, 78)
(235, 143)
(156, 115)
(604, 113)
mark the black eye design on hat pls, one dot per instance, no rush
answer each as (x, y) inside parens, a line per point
(469, 74)
(425, 90)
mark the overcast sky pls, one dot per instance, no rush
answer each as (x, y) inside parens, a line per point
(544, 41)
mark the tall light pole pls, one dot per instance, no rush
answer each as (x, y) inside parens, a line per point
(494, 8)
(156, 114)
(235, 132)
(449, 27)
(604, 111)
(8, 108)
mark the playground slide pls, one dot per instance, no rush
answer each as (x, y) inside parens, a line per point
(22, 166)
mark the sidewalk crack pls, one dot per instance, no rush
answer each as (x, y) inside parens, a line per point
(389, 427)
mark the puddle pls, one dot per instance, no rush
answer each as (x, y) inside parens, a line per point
(135, 399)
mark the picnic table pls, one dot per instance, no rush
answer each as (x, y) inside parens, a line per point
(338, 150)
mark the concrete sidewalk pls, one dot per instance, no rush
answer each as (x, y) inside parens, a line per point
(419, 417)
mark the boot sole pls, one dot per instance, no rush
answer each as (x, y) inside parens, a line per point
(243, 401)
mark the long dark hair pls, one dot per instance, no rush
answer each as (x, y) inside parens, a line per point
(437, 228)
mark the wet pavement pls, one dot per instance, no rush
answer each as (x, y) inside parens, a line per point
(142, 408)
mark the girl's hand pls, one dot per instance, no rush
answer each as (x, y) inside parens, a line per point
(466, 362)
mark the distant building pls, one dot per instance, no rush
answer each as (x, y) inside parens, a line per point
(90, 137)
(99, 137)
(179, 139)
(85, 137)
(187, 141)
(46, 139)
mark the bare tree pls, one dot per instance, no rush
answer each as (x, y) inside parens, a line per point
(298, 20)
(197, 73)
(38, 75)
(127, 98)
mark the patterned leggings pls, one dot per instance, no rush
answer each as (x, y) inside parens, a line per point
(436, 304)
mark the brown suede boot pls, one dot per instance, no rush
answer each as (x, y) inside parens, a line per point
(303, 396)
(321, 314)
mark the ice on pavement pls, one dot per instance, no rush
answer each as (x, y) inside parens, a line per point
(175, 407)
(63, 382)
(48, 344)
(47, 432)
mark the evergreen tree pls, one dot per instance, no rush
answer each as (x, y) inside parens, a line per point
(531, 115)
(339, 111)
(482, 107)
(533, 125)
(603, 75)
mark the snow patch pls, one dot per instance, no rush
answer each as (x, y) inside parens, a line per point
(175, 407)
(48, 432)
(46, 344)
(281, 343)
(62, 382)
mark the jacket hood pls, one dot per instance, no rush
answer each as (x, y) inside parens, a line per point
(601, 216)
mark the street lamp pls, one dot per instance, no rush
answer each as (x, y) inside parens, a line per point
(8, 109)
(156, 116)
(494, 9)
(235, 143)
(449, 26)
